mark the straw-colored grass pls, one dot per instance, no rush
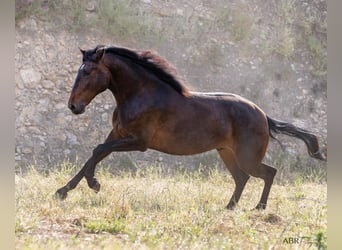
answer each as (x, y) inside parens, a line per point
(182, 211)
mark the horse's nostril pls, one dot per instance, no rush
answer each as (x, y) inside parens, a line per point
(77, 108)
(72, 107)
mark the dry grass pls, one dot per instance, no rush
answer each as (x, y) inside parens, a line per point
(183, 211)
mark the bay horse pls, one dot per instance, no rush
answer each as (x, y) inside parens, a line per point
(155, 110)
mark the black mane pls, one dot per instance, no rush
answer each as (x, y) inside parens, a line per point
(154, 64)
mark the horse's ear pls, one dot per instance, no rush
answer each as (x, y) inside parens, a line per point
(82, 51)
(99, 54)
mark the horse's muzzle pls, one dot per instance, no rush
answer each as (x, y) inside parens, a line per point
(76, 108)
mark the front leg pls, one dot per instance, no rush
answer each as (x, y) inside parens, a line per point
(103, 150)
(99, 153)
(88, 172)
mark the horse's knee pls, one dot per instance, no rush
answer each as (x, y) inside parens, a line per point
(99, 150)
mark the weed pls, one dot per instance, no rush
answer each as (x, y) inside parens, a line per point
(236, 21)
(315, 46)
(224, 18)
(101, 225)
(77, 15)
(122, 18)
(214, 53)
(18, 227)
(321, 241)
(317, 52)
(287, 11)
(285, 42)
(24, 8)
(241, 26)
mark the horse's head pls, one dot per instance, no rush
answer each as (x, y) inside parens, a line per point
(93, 77)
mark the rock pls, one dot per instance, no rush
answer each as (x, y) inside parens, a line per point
(180, 12)
(34, 130)
(30, 25)
(47, 84)
(61, 106)
(20, 85)
(105, 117)
(27, 150)
(43, 105)
(66, 151)
(30, 77)
(72, 139)
(91, 6)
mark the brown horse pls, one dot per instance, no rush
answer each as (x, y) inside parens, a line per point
(156, 111)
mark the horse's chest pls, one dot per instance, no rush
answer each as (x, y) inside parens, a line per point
(134, 117)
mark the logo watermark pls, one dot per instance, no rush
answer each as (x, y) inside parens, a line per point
(318, 241)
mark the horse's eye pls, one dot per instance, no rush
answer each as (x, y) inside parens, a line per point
(86, 70)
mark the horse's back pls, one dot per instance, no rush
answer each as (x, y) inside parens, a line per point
(236, 107)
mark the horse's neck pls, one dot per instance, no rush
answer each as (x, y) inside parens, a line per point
(127, 87)
(129, 84)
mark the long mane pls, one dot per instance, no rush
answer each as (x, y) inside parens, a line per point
(154, 64)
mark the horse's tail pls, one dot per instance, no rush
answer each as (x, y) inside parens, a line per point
(310, 139)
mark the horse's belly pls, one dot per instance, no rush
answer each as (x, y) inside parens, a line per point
(182, 149)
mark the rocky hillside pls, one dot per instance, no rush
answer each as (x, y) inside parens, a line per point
(271, 52)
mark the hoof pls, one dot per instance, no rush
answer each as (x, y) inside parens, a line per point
(61, 194)
(231, 206)
(260, 206)
(95, 185)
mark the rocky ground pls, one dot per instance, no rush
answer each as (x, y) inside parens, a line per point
(271, 52)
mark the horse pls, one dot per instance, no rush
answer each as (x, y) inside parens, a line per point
(155, 110)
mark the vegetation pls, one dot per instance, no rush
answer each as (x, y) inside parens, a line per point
(119, 18)
(127, 20)
(154, 210)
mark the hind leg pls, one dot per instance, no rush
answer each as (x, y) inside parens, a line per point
(266, 173)
(259, 170)
(240, 179)
(239, 176)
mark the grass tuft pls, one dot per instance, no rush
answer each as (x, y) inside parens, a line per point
(102, 225)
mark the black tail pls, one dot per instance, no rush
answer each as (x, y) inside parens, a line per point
(291, 130)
